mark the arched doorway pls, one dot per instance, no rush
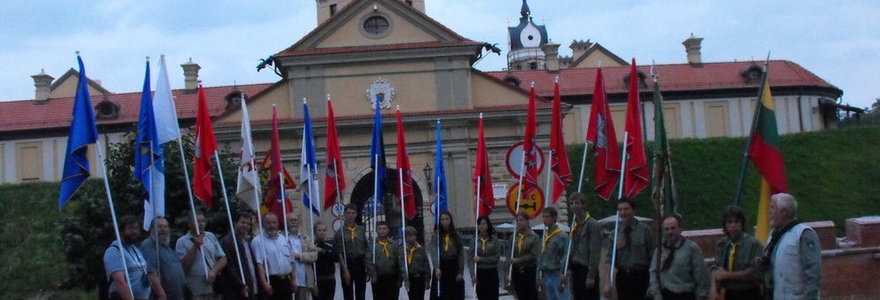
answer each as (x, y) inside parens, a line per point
(363, 191)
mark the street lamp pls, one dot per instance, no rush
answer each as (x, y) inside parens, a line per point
(428, 173)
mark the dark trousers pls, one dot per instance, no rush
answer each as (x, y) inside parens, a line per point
(579, 289)
(386, 287)
(357, 288)
(449, 287)
(632, 285)
(669, 295)
(326, 289)
(753, 293)
(524, 283)
(487, 283)
(417, 286)
(281, 289)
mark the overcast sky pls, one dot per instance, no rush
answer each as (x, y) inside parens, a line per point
(837, 40)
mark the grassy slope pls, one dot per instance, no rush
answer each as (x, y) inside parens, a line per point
(834, 174)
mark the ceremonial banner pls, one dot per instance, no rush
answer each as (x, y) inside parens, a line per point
(600, 133)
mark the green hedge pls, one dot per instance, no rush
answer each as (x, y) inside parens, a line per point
(834, 175)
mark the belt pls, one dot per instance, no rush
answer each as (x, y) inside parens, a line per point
(631, 271)
(285, 276)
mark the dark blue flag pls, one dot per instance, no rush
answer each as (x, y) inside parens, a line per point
(83, 132)
(440, 203)
(377, 154)
(149, 162)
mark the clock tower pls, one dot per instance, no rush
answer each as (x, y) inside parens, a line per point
(526, 40)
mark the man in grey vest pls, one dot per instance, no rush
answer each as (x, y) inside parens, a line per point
(793, 255)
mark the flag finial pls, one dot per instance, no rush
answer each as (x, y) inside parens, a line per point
(304, 100)
(328, 96)
(481, 115)
(398, 107)
(532, 84)
(599, 64)
(77, 52)
(556, 79)
(148, 58)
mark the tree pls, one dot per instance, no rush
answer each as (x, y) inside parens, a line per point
(86, 226)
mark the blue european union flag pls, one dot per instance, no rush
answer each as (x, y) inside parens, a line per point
(377, 154)
(440, 204)
(83, 132)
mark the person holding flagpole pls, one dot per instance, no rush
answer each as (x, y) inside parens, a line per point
(416, 259)
(526, 248)
(304, 255)
(272, 254)
(552, 257)
(635, 244)
(141, 280)
(488, 254)
(449, 264)
(211, 254)
(353, 272)
(165, 259)
(584, 247)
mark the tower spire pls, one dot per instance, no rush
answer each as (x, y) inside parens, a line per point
(525, 12)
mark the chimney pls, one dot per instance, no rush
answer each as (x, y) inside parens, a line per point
(42, 85)
(551, 57)
(190, 75)
(578, 48)
(692, 47)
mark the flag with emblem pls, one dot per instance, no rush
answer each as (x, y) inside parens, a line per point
(483, 176)
(636, 177)
(247, 187)
(600, 133)
(149, 161)
(205, 145)
(559, 156)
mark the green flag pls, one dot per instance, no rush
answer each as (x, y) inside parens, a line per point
(663, 191)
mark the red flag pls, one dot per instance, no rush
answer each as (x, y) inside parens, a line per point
(559, 157)
(409, 200)
(483, 177)
(334, 177)
(530, 148)
(601, 134)
(205, 145)
(636, 176)
(273, 160)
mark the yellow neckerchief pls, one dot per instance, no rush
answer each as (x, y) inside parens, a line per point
(411, 251)
(352, 230)
(483, 241)
(547, 238)
(519, 242)
(446, 242)
(731, 256)
(384, 245)
(577, 224)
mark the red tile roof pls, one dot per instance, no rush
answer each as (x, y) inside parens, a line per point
(673, 77)
(56, 113)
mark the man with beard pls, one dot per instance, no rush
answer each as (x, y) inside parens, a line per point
(682, 272)
(164, 259)
(272, 253)
(234, 288)
(793, 254)
(141, 279)
(200, 253)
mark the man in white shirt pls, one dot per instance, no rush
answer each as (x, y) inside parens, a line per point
(272, 252)
(304, 255)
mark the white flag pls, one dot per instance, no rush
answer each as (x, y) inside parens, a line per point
(247, 170)
(167, 128)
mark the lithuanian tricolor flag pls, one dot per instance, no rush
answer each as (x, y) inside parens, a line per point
(764, 151)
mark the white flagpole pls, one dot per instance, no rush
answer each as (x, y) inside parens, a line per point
(617, 215)
(229, 215)
(547, 200)
(283, 205)
(259, 217)
(153, 206)
(192, 204)
(522, 172)
(100, 151)
(583, 164)
(477, 221)
(256, 196)
(403, 219)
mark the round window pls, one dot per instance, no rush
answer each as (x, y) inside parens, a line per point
(376, 25)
